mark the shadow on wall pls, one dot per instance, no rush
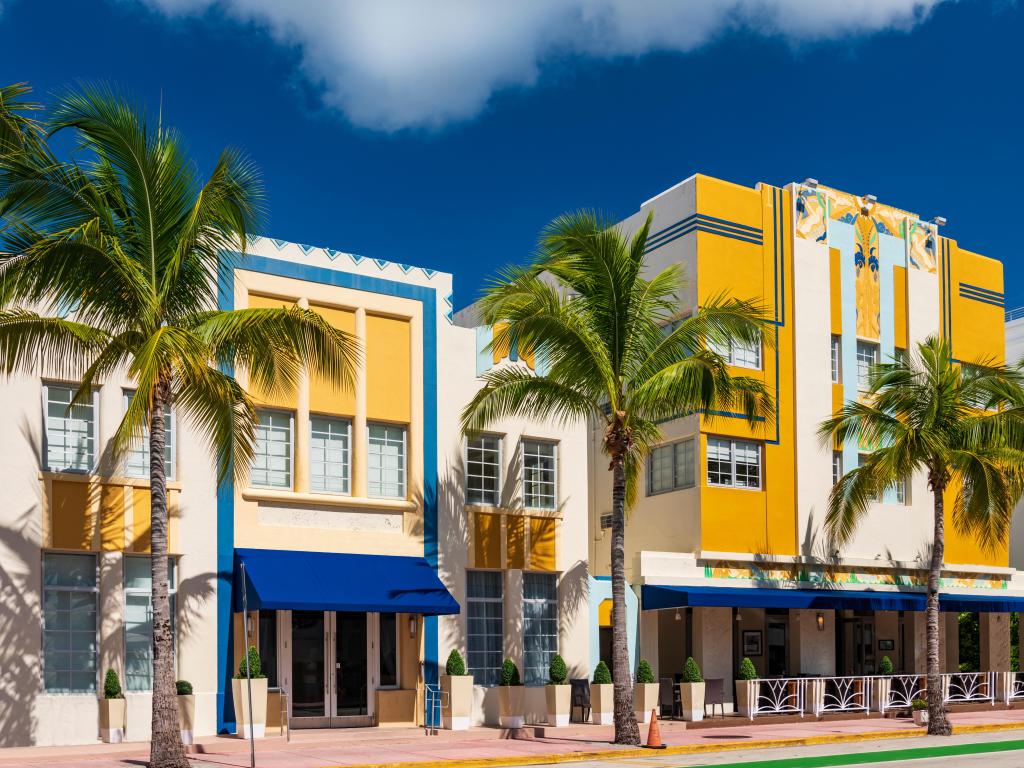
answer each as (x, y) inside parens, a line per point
(453, 540)
(573, 601)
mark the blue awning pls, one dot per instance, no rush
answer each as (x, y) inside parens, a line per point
(329, 581)
(980, 603)
(655, 597)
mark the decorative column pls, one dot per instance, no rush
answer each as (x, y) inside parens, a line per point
(712, 644)
(359, 437)
(994, 643)
(303, 431)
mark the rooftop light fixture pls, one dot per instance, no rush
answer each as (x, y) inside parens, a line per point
(812, 183)
(939, 221)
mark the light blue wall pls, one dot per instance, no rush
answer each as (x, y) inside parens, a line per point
(601, 590)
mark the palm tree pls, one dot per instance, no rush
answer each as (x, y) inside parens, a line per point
(131, 239)
(923, 413)
(619, 352)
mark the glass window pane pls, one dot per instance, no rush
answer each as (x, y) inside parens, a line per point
(70, 430)
(719, 461)
(329, 455)
(137, 461)
(837, 358)
(272, 458)
(268, 645)
(69, 622)
(540, 625)
(388, 649)
(385, 461)
(485, 626)
(539, 475)
(483, 470)
(867, 356)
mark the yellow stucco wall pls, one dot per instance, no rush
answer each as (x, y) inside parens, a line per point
(388, 374)
(324, 396)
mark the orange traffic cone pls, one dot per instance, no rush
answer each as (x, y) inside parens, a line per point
(654, 733)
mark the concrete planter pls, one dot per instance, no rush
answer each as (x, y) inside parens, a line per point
(692, 695)
(112, 720)
(880, 689)
(240, 688)
(746, 696)
(920, 717)
(457, 702)
(645, 698)
(187, 718)
(602, 703)
(510, 706)
(559, 700)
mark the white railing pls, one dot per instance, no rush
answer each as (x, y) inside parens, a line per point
(969, 687)
(434, 700)
(1015, 686)
(903, 690)
(841, 694)
(778, 696)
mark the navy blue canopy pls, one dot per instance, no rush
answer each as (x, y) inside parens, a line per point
(656, 596)
(278, 579)
(980, 603)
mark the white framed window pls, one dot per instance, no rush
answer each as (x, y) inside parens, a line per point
(540, 625)
(272, 458)
(138, 619)
(900, 491)
(867, 356)
(540, 475)
(837, 466)
(862, 459)
(740, 353)
(137, 461)
(330, 455)
(837, 358)
(735, 463)
(483, 470)
(69, 622)
(70, 429)
(671, 467)
(485, 626)
(385, 461)
(606, 520)
(388, 650)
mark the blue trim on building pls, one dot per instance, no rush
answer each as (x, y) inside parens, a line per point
(698, 222)
(226, 492)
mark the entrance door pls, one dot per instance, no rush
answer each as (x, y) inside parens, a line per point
(863, 646)
(330, 675)
(778, 652)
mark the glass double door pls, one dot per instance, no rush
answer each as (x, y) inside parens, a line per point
(330, 670)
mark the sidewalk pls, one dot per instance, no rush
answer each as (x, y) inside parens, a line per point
(487, 746)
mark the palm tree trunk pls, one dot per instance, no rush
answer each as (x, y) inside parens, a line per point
(626, 729)
(938, 723)
(166, 749)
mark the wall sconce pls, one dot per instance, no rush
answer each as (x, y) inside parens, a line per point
(412, 627)
(678, 617)
(820, 619)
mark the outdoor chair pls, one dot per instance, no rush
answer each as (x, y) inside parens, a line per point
(580, 697)
(714, 693)
(668, 699)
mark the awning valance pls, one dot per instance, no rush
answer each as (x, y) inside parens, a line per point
(656, 596)
(329, 581)
(959, 603)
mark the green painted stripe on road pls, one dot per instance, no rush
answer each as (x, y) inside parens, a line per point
(885, 756)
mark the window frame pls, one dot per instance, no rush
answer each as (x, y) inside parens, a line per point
(404, 491)
(346, 464)
(500, 465)
(170, 436)
(676, 485)
(733, 443)
(554, 471)
(541, 673)
(172, 592)
(398, 653)
(290, 484)
(733, 359)
(93, 438)
(864, 384)
(500, 602)
(837, 463)
(836, 357)
(95, 590)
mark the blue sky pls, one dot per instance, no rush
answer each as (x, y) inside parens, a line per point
(452, 147)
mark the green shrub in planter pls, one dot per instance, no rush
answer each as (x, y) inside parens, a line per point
(455, 666)
(918, 704)
(557, 671)
(691, 672)
(509, 673)
(644, 673)
(255, 669)
(747, 670)
(885, 666)
(602, 675)
(112, 686)
(184, 687)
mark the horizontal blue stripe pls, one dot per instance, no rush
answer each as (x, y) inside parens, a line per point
(741, 229)
(984, 301)
(979, 289)
(988, 296)
(755, 230)
(697, 227)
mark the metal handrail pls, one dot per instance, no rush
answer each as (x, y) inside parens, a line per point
(1014, 314)
(433, 703)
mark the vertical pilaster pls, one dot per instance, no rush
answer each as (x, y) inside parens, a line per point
(994, 643)
(359, 438)
(649, 639)
(302, 426)
(712, 643)
(514, 617)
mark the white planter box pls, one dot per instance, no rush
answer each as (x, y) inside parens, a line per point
(240, 690)
(457, 702)
(692, 695)
(510, 706)
(559, 699)
(645, 699)
(602, 703)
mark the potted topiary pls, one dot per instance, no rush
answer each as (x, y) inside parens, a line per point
(746, 688)
(112, 709)
(882, 685)
(240, 687)
(645, 693)
(602, 696)
(558, 692)
(186, 711)
(691, 691)
(456, 694)
(920, 708)
(510, 696)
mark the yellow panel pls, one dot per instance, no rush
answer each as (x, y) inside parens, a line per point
(324, 395)
(978, 327)
(71, 515)
(604, 614)
(728, 201)
(112, 503)
(515, 537)
(278, 400)
(867, 287)
(388, 369)
(965, 550)
(899, 292)
(835, 282)
(141, 520)
(487, 540)
(542, 543)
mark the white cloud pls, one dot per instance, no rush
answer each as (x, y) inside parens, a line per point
(393, 64)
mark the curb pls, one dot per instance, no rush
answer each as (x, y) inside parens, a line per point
(687, 749)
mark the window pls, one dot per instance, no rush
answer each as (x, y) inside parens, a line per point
(272, 461)
(138, 620)
(606, 520)
(862, 459)
(137, 463)
(900, 490)
(540, 490)
(483, 470)
(671, 467)
(330, 459)
(837, 466)
(69, 623)
(267, 636)
(385, 462)
(485, 626)
(70, 430)
(739, 353)
(388, 650)
(540, 625)
(867, 356)
(734, 463)
(837, 359)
